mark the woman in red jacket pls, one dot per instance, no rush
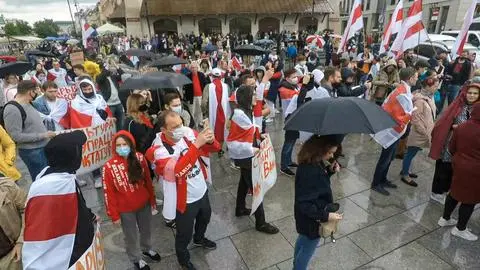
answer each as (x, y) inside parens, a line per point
(129, 197)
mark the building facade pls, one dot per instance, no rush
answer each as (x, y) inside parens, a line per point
(438, 15)
(149, 17)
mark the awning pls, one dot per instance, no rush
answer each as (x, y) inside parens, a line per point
(109, 29)
(27, 38)
(205, 7)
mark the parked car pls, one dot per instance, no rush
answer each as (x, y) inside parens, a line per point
(428, 49)
(473, 36)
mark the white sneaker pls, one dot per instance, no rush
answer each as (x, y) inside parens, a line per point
(159, 202)
(81, 182)
(440, 198)
(465, 234)
(98, 183)
(443, 222)
(154, 212)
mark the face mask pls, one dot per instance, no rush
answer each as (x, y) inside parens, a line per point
(177, 109)
(179, 133)
(88, 95)
(294, 81)
(34, 95)
(123, 151)
(143, 108)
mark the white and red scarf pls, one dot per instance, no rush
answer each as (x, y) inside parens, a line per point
(218, 109)
(242, 135)
(59, 77)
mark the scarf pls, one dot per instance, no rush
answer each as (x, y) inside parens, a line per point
(220, 119)
(146, 121)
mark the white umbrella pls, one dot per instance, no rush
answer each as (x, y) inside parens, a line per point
(109, 29)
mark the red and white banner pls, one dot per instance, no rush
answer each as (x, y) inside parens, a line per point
(413, 31)
(87, 31)
(98, 148)
(264, 172)
(355, 24)
(94, 257)
(393, 27)
(462, 36)
(68, 93)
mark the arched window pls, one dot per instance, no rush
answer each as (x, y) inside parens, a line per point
(241, 26)
(166, 26)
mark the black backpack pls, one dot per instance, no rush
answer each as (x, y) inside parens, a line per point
(19, 107)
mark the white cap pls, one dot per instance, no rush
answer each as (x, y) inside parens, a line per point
(216, 72)
(317, 75)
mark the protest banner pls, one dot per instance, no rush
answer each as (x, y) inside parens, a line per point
(264, 172)
(98, 148)
(93, 258)
(77, 58)
(67, 92)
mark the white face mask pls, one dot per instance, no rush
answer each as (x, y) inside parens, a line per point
(179, 133)
(177, 109)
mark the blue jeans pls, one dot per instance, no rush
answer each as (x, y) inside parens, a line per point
(383, 164)
(304, 249)
(119, 114)
(34, 159)
(287, 151)
(407, 159)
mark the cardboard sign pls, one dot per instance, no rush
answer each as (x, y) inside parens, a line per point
(77, 58)
(98, 148)
(68, 93)
(264, 172)
(93, 258)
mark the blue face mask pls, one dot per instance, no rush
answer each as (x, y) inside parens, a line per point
(123, 151)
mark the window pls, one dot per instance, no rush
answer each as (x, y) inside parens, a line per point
(425, 50)
(473, 39)
(393, 2)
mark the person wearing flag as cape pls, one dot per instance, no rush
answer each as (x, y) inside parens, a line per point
(58, 75)
(180, 156)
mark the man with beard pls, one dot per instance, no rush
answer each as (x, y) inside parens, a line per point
(331, 81)
(52, 109)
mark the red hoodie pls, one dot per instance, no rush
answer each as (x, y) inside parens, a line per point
(120, 195)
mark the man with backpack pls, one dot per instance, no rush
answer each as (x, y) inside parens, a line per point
(24, 124)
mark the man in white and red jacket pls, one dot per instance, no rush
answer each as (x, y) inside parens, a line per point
(178, 155)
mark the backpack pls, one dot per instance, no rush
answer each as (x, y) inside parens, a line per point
(19, 107)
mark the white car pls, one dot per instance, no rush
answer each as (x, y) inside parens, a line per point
(428, 49)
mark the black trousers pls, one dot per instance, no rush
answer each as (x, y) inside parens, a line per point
(197, 213)
(243, 186)
(442, 179)
(464, 212)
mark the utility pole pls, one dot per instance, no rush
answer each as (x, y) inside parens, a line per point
(71, 15)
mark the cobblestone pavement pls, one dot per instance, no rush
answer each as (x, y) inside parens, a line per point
(378, 232)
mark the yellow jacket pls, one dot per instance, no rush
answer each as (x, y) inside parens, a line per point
(8, 156)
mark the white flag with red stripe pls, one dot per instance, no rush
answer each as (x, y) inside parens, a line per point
(393, 27)
(241, 136)
(236, 64)
(355, 24)
(462, 36)
(413, 31)
(87, 31)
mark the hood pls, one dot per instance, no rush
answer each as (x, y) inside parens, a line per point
(126, 134)
(262, 68)
(347, 73)
(390, 62)
(64, 151)
(317, 76)
(80, 89)
(476, 112)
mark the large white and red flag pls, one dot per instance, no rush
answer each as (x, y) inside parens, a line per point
(462, 36)
(393, 27)
(413, 31)
(355, 23)
(87, 31)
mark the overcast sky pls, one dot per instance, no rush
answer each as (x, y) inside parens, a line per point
(36, 10)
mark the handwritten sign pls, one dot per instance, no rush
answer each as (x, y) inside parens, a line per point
(98, 148)
(68, 92)
(264, 172)
(77, 58)
(93, 258)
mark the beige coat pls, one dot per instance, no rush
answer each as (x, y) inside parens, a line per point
(12, 222)
(423, 120)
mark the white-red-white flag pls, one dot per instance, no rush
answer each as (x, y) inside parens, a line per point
(236, 64)
(462, 36)
(87, 31)
(413, 31)
(355, 23)
(393, 27)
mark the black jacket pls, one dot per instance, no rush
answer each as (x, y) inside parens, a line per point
(143, 135)
(104, 84)
(312, 195)
(189, 87)
(345, 90)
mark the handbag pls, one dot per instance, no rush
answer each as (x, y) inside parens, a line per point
(327, 229)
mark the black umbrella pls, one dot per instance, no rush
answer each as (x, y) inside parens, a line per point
(18, 68)
(168, 61)
(249, 50)
(339, 116)
(210, 48)
(39, 53)
(155, 80)
(140, 53)
(264, 42)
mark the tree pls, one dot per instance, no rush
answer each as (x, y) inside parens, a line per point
(19, 28)
(46, 28)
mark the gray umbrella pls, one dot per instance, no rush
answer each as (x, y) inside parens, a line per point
(167, 61)
(156, 80)
(339, 116)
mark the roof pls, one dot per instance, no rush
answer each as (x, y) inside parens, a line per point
(26, 38)
(205, 7)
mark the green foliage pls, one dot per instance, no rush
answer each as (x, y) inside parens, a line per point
(46, 28)
(19, 28)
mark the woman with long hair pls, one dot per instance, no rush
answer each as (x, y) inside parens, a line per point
(457, 113)
(243, 143)
(313, 195)
(138, 122)
(129, 197)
